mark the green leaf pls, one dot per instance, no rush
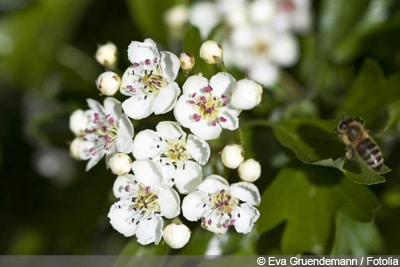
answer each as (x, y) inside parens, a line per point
(308, 200)
(314, 142)
(355, 238)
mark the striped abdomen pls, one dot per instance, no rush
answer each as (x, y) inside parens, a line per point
(370, 153)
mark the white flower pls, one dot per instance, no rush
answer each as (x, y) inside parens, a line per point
(211, 52)
(149, 82)
(108, 131)
(205, 16)
(204, 107)
(107, 54)
(143, 202)
(120, 163)
(294, 15)
(249, 170)
(108, 83)
(246, 94)
(232, 156)
(219, 205)
(261, 51)
(179, 156)
(176, 235)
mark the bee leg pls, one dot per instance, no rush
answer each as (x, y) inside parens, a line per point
(349, 153)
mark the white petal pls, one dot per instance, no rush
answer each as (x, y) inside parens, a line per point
(140, 51)
(113, 107)
(147, 172)
(166, 98)
(193, 206)
(169, 201)
(187, 179)
(205, 16)
(246, 192)
(138, 106)
(170, 65)
(194, 84)
(183, 112)
(122, 183)
(146, 144)
(264, 73)
(245, 216)
(221, 83)
(125, 133)
(95, 105)
(121, 218)
(285, 51)
(170, 130)
(198, 149)
(150, 231)
(205, 130)
(213, 183)
(231, 116)
(214, 223)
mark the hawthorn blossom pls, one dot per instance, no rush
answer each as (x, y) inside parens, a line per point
(143, 202)
(220, 206)
(107, 131)
(149, 82)
(179, 156)
(204, 106)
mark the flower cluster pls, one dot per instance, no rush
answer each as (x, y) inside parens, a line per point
(258, 36)
(160, 171)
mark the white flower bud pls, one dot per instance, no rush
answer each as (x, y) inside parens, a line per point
(107, 54)
(232, 156)
(211, 52)
(186, 60)
(246, 94)
(74, 148)
(78, 122)
(176, 235)
(176, 17)
(108, 83)
(249, 170)
(120, 163)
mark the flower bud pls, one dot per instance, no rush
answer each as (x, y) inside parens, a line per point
(107, 54)
(108, 83)
(176, 17)
(249, 170)
(232, 156)
(176, 235)
(211, 52)
(74, 148)
(246, 94)
(187, 61)
(78, 122)
(120, 163)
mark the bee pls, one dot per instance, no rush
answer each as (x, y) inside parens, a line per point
(357, 140)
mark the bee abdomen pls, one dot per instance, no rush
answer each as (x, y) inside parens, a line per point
(370, 153)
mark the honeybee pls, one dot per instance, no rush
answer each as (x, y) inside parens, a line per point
(357, 140)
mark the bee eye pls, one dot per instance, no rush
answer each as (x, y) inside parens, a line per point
(342, 126)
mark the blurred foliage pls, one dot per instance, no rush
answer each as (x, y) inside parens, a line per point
(312, 202)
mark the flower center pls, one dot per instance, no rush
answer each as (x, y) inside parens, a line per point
(105, 131)
(146, 201)
(176, 151)
(153, 82)
(223, 201)
(208, 106)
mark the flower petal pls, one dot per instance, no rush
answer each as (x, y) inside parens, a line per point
(194, 84)
(215, 223)
(138, 106)
(125, 133)
(147, 172)
(231, 121)
(188, 178)
(141, 51)
(222, 82)
(246, 192)
(170, 130)
(122, 185)
(170, 65)
(150, 230)
(146, 144)
(183, 112)
(169, 201)
(205, 130)
(113, 107)
(166, 98)
(213, 183)
(193, 205)
(198, 149)
(120, 215)
(245, 217)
